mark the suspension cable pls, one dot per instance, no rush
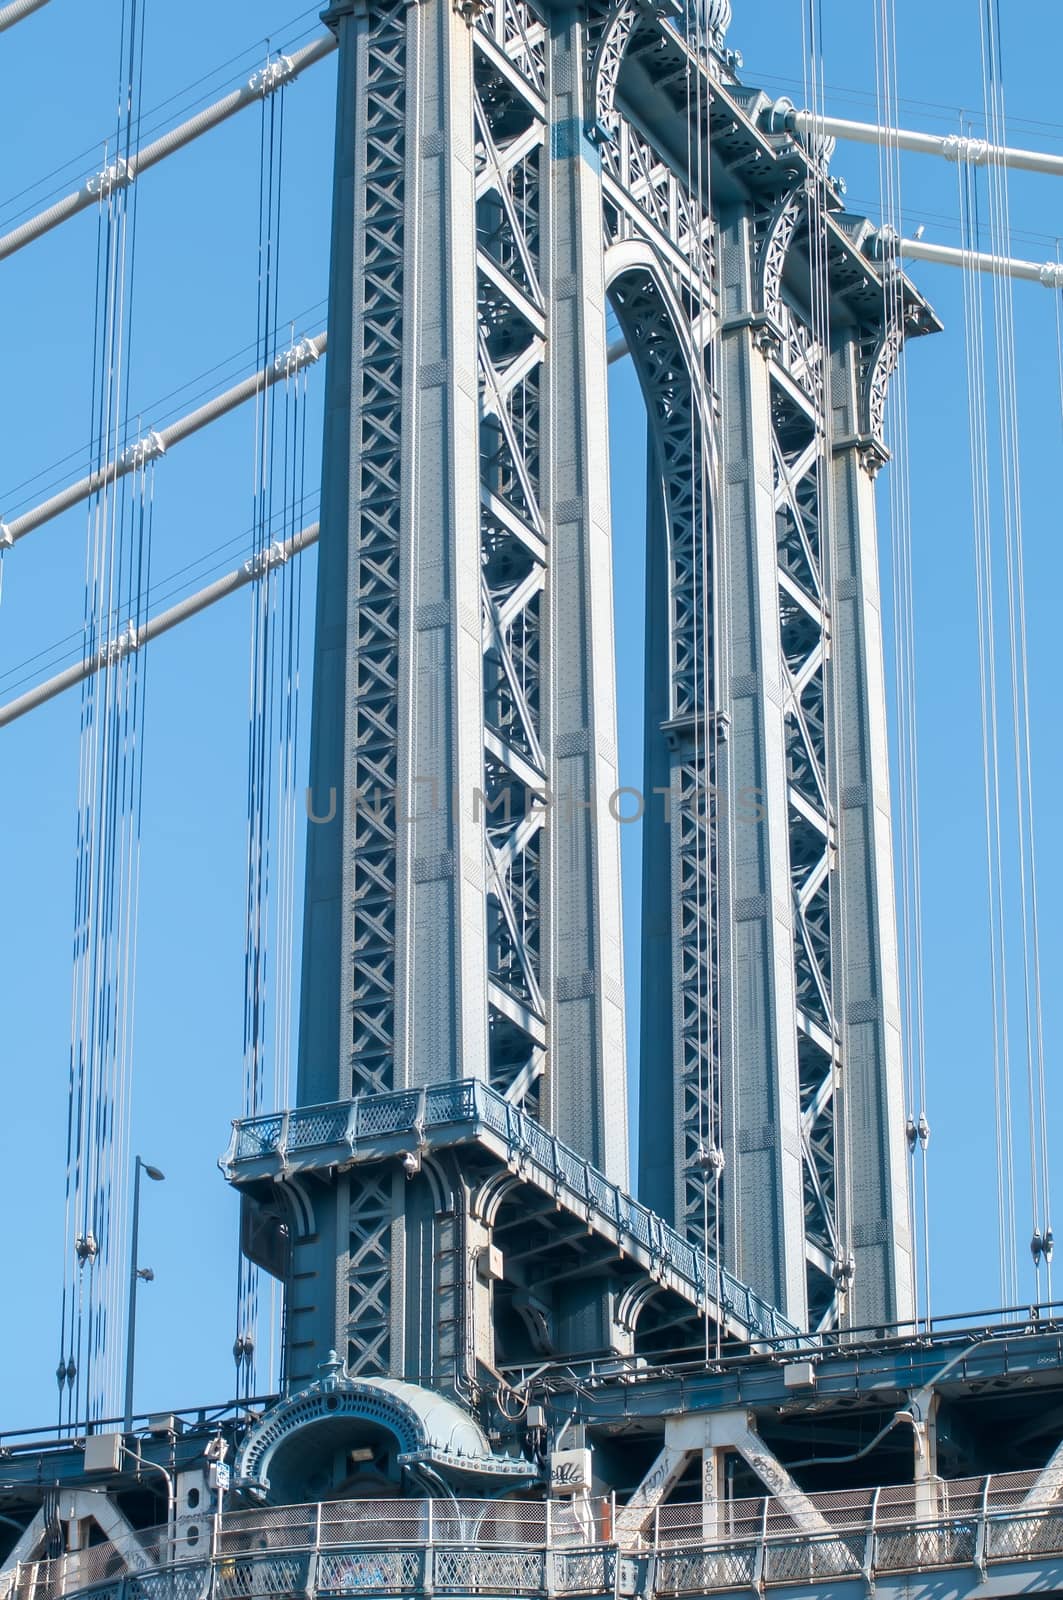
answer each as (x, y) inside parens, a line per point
(1015, 566)
(903, 582)
(303, 352)
(149, 122)
(134, 636)
(198, 384)
(887, 135)
(123, 172)
(63, 651)
(108, 837)
(17, 10)
(979, 456)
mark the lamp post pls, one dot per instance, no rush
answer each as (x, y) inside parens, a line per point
(135, 1273)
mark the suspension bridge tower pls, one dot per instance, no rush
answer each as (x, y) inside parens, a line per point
(481, 1300)
(505, 174)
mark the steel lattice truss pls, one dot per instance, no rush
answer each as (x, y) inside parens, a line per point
(510, 132)
(796, 453)
(371, 754)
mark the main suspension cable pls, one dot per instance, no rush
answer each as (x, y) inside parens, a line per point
(121, 174)
(155, 443)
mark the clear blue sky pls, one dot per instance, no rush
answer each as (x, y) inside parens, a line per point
(195, 307)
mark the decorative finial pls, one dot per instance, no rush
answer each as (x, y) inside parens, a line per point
(331, 1371)
(708, 23)
(718, 15)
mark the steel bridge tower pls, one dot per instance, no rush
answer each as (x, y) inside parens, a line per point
(476, 1307)
(504, 173)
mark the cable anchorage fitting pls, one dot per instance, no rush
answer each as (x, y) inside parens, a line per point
(272, 76)
(1052, 274)
(119, 175)
(116, 649)
(263, 560)
(303, 353)
(844, 1271)
(958, 148)
(141, 451)
(7, 538)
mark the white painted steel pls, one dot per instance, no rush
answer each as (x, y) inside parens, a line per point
(950, 147)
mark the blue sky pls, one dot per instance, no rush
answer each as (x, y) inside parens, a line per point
(195, 308)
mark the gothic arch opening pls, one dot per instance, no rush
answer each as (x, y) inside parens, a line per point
(675, 892)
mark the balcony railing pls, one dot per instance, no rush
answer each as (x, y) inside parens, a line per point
(572, 1547)
(290, 1137)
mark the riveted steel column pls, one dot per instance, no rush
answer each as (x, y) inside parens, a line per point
(872, 1183)
(440, 972)
(763, 1230)
(586, 1091)
(394, 986)
(322, 1073)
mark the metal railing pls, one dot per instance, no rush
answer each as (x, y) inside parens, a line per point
(417, 1113)
(561, 1547)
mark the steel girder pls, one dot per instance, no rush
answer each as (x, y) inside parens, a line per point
(553, 953)
(659, 232)
(834, 1112)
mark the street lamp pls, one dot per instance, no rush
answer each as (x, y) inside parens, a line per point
(135, 1273)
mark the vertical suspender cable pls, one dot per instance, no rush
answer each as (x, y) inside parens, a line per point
(704, 767)
(106, 872)
(981, 500)
(902, 548)
(820, 317)
(1018, 662)
(708, 368)
(272, 733)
